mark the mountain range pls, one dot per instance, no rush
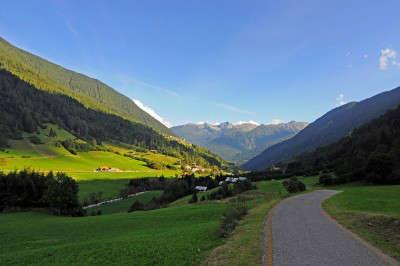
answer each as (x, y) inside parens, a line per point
(237, 142)
(327, 129)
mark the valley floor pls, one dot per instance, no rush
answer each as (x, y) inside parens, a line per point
(185, 234)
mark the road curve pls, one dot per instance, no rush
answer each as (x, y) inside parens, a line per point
(302, 234)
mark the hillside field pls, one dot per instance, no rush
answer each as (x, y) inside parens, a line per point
(177, 235)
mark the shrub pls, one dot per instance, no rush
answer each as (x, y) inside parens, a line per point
(230, 219)
(136, 206)
(294, 185)
(35, 140)
(194, 198)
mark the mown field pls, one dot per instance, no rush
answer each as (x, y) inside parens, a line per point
(123, 205)
(184, 234)
(373, 212)
(170, 236)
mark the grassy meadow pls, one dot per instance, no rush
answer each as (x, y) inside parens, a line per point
(123, 205)
(170, 236)
(373, 212)
(51, 157)
(182, 234)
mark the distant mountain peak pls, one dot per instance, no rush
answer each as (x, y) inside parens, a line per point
(237, 141)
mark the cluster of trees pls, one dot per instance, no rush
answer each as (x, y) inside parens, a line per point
(75, 146)
(227, 190)
(24, 108)
(256, 176)
(173, 189)
(370, 153)
(29, 189)
(161, 183)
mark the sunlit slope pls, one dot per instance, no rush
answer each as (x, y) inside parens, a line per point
(50, 77)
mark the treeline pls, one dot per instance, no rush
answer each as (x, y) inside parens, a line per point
(23, 108)
(370, 153)
(187, 182)
(175, 188)
(25, 189)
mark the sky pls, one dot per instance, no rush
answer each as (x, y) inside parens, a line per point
(215, 60)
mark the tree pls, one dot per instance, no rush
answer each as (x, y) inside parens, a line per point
(136, 206)
(52, 133)
(62, 196)
(379, 168)
(194, 198)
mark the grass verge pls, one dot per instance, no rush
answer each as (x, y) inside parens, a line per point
(372, 212)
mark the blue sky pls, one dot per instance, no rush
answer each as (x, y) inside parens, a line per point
(216, 61)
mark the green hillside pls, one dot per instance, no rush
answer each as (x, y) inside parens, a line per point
(25, 112)
(329, 128)
(53, 78)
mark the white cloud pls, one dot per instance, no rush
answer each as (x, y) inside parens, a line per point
(276, 121)
(151, 112)
(388, 58)
(340, 99)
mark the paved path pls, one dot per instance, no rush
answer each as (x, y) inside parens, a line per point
(302, 234)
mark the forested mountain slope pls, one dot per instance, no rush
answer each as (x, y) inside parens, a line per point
(371, 152)
(237, 142)
(53, 78)
(329, 128)
(23, 108)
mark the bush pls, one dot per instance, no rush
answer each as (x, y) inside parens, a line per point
(329, 179)
(293, 185)
(35, 140)
(93, 198)
(230, 219)
(136, 206)
(194, 198)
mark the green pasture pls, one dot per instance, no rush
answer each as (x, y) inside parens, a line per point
(123, 205)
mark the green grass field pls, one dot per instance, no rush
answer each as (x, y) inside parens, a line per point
(51, 157)
(123, 205)
(373, 212)
(170, 236)
(177, 235)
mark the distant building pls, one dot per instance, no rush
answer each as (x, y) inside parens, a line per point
(200, 188)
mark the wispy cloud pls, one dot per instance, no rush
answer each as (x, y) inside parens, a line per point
(134, 81)
(388, 58)
(71, 28)
(232, 108)
(340, 100)
(151, 112)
